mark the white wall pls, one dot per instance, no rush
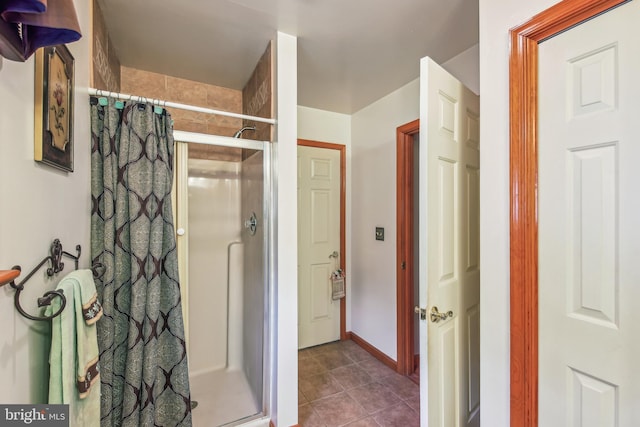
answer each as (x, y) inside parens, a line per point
(324, 126)
(372, 202)
(37, 204)
(327, 126)
(373, 195)
(465, 66)
(496, 18)
(284, 404)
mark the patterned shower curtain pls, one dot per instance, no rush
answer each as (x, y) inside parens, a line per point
(143, 360)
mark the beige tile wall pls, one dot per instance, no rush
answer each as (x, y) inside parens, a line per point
(160, 86)
(105, 66)
(257, 99)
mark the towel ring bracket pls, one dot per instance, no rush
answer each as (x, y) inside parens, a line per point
(55, 258)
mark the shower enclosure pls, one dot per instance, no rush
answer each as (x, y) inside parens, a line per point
(223, 219)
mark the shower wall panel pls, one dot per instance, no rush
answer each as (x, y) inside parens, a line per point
(214, 223)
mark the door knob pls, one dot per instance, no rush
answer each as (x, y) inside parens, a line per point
(421, 311)
(436, 316)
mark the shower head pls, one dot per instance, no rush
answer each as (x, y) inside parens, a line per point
(238, 134)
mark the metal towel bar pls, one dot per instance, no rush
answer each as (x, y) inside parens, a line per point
(55, 258)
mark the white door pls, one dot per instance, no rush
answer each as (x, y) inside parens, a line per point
(449, 248)
(318, 244)
(589, 223)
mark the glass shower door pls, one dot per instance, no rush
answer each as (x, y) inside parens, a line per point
(225, 223)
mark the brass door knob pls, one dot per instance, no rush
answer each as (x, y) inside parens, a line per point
(436, 316)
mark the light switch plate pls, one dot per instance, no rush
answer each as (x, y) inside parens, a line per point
(380, 233)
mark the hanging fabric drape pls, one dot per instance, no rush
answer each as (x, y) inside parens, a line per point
(143, 358)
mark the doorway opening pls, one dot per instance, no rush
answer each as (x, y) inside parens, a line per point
(407, 146)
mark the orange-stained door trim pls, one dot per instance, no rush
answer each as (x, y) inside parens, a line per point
(523, 118)
(404, 244)
(343, 195)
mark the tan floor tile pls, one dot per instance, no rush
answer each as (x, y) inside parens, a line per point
(414, 403)
(324, 348)
(374, 397)
(399, 415)
(338, 409)
(402, 386)
(331, 398)
(301, 398)
(318, 386)
(333, 359)
(375, 368)
(357, 353)
(305, 353)
(351, 376)
(364, 422)
(307, 417)
(308, 367)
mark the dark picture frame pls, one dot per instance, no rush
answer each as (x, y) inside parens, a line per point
(54, 83)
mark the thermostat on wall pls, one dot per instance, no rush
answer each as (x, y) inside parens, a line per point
(380, 233)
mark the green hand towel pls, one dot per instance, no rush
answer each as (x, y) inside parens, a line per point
(74, 376)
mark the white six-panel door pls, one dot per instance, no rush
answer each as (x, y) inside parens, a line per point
(589, 223)
(449, 249)
(318, 238)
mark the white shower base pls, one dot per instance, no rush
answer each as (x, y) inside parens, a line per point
(223, 397)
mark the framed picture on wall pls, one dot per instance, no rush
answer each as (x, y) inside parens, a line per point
(54, 107)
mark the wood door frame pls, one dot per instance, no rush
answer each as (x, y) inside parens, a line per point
(523, 135)
(405, 178)
(343, 192)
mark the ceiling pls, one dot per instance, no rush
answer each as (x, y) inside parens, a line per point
(350, 52)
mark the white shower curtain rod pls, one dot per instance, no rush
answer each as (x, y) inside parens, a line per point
(100, 92)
